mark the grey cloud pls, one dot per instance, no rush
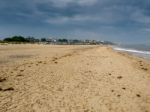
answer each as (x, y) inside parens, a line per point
(98, 16)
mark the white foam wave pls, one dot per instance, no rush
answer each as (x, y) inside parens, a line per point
(132, 50)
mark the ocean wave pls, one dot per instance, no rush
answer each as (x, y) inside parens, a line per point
(132, 50)
(143, 54)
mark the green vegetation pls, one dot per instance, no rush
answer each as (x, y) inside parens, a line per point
(63, 41)
(19, 39)
(43, 39)
(15, 39)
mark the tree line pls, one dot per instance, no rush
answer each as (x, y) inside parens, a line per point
(20, 39)
(29, 39)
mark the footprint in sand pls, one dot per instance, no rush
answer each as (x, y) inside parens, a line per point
(2, 79)
(144, 69)
(9, 89)
(88, 71)
(19, 75)
(21, 70)
(39, 61)
(138, 95)
(124, 88)
(118, 95)
(44, 63)
(119, 77)
(109, 74)
(55, 62)
(54, 59)
(112, 90)
(141, 65)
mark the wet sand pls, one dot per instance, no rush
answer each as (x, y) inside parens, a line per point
(52, 78)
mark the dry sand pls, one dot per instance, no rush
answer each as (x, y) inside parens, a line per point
(50, 78)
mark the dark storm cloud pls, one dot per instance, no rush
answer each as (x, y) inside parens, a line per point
(107, 11)
(74, 17)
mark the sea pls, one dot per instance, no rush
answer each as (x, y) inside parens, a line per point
(140, 50)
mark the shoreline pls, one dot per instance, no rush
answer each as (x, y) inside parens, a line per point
(139, 53)
(138, 62)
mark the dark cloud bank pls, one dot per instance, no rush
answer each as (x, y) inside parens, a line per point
(114, 20)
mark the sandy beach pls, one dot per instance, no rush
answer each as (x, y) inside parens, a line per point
(53, 78)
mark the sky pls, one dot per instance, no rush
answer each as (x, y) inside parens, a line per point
(121, 21)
